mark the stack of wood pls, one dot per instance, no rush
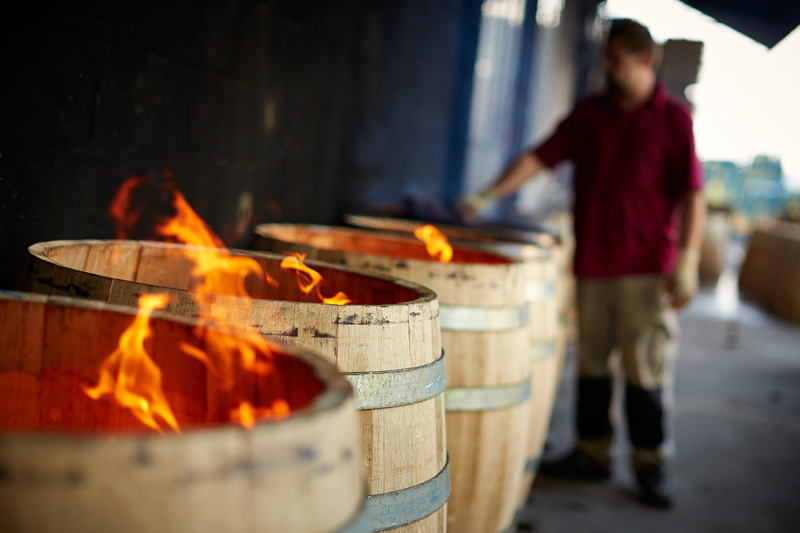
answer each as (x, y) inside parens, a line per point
(770, 274)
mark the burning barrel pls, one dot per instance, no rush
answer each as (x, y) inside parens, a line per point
(483, 317)
(471, 234)
(541, 255)
(162, 449)
(386, 342)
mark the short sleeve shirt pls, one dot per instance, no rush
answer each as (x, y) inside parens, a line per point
(632, 171)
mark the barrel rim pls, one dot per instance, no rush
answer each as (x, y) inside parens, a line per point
(527, 252)
(337, 393)
(494, 232)
(494, 240)
(424, 294)
(511, 261)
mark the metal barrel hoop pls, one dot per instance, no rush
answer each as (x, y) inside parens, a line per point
(466, 399)
(481, 318)
(396, 388)
(406, 506)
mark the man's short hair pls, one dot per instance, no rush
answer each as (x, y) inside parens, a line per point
(634, 36)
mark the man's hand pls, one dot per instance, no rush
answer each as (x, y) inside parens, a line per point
(473, 205)
(683, 284)
(520, 171)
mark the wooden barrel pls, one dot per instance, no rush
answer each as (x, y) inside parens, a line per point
(525, 244)
(387, 343)
(547, 345)
(484, 323)
(72, 463)
(543, 276)
(471, 234)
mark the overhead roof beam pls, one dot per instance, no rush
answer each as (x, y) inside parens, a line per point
(764, 21)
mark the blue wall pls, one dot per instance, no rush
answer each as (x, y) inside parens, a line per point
(311, 108)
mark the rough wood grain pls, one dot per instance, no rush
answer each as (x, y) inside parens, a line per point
(546, 293)
(74, 464)
(391, 324)
(487, 448)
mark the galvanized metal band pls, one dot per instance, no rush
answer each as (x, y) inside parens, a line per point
(542, 349)
(532, 464)
(475, 318)
(360, 523)
(536, 291)
(406, 506)
(457, 399)
(395, 388)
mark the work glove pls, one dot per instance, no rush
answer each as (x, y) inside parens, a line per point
(477, 203)
(683, 284)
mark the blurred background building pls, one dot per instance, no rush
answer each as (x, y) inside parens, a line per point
(756, 191)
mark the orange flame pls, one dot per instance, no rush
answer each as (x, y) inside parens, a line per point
(217, 271)
(134, 380)
(220, 271)
(435, 242)
(187, 226)
(247, 350)
(131, 376)
(309, 279)
(122, 214)
(246, 414)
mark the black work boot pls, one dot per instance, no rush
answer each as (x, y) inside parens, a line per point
(654, 490)
(577, 465)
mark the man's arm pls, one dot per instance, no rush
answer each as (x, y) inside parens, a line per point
(525, 167)
(521, 170)
(552, 151)
(685, 279)
(693, 221)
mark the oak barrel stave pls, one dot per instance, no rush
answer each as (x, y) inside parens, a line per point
(487, 364)
(546, 299)
(402, 447)
(74, 464)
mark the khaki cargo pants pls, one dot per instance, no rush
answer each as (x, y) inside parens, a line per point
(631, 314)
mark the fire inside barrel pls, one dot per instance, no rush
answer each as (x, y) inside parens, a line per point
(215, 269)
(159, 375)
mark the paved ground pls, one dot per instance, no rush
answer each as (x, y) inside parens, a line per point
(737, 434)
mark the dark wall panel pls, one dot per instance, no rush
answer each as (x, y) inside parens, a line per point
(407, 145)
(233, 97)
(310, 107)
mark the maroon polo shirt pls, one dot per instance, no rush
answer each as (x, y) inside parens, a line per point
(632, 172)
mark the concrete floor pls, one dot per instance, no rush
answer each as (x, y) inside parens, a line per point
(736, 463)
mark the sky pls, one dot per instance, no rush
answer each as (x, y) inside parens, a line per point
(746, 98)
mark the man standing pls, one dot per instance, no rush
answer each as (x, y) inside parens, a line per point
(638, 216)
